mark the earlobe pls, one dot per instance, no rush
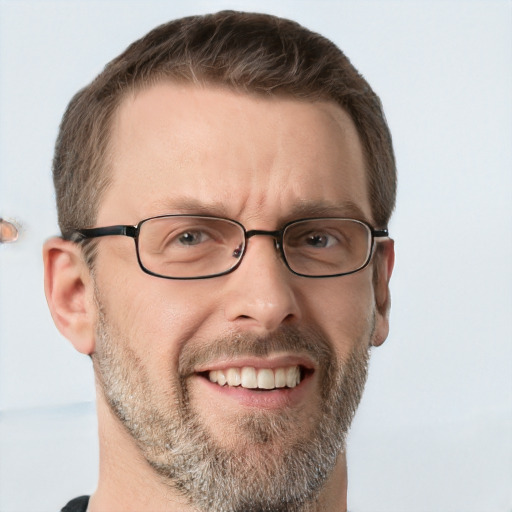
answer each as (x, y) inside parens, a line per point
(384, 262)
(69, 293)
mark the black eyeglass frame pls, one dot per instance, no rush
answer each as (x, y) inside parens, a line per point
(80, 235)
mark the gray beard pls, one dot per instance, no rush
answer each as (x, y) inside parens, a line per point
(277, 465)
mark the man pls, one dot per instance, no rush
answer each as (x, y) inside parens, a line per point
(223, 190)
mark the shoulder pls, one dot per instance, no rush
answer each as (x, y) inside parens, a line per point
(77, 505)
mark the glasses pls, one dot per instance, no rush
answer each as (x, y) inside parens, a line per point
(200, 247)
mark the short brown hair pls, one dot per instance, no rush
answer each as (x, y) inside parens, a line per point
(254, 53)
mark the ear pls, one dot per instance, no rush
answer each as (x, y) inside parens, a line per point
(70, 293)
(384, 261)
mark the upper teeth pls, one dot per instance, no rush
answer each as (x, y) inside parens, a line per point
(252, 378)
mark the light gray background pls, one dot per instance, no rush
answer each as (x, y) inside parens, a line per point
(434, 430)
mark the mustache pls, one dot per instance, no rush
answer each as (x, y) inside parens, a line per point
(305, 341)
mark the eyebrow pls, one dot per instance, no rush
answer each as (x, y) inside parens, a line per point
(191, 206)
(301, 209)
(308, 208)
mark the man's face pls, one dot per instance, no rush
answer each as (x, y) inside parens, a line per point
(178, 149)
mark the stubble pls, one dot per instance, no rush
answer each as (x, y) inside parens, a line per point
(277, 463)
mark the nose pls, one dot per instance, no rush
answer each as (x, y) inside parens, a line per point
(259, 294)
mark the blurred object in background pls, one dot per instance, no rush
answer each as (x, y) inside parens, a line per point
(8, 232)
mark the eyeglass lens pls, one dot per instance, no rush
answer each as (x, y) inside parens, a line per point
(188, 247)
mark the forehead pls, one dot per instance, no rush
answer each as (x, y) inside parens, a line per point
(177, 148)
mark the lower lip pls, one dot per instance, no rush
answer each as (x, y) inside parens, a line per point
(278, 398)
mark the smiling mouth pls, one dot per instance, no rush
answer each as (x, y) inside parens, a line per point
(259, 378)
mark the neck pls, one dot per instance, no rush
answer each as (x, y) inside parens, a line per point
(128, 483)
(333, 497)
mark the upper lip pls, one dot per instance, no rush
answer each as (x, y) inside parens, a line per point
(272, 362)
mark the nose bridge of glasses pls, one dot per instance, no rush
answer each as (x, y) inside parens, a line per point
(276, 235)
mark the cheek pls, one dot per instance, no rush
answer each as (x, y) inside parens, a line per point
(154, 316)
(344, 309)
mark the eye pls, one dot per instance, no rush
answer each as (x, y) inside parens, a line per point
(320, 240)
(189, 238)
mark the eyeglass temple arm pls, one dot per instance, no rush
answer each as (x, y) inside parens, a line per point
(83, 234)
(380, 233)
